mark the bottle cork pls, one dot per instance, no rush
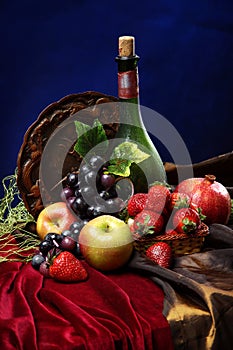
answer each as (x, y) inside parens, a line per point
(126, 46)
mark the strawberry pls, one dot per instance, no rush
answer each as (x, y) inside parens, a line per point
(67, 268)
(136, 203)
(160, 253)
(182, 200)
(186, 220)
(147, 222)
(179, 200)
(158, 198)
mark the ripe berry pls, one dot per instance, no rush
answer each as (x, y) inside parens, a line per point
(45, 246)
(136, 203)
(72, 180)
(76, 225)
(68, 243)
(66, 193)
(186, 220)
(107, 180)
(160, 253)
(147, 222)
(44, 269)
(37, 260)
(96, 161)
(158, 198)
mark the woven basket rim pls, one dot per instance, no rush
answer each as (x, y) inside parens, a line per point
(202, 231)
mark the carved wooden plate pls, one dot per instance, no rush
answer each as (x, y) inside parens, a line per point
(37, 136)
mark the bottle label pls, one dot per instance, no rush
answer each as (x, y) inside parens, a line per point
(128, 84)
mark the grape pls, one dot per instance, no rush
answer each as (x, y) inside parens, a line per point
(68, 243)
(104, 194)
(44, 269)
(77, 192)
(114, 205)
(70, 201)
(45, 246)
(93, 212)
(51, 237)
(66, 193)
(37, 261)
(107, 180)
(66, 233)
(96, 161)
(75, 234)
(91, 178)
(75, 229)
(76, 225)
(58, 238)
(88, 192)
(85, 169)
(72, 180)
(112, 192)
(79, 205)
(76, 251)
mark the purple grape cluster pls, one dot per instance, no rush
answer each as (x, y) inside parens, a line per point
(53, 243)
(91, 192)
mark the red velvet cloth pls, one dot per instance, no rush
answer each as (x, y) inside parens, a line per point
(120, 310)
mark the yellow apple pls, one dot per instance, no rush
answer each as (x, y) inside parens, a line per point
(55, 218)
(106, 243)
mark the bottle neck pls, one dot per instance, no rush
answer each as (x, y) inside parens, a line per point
(128, 88)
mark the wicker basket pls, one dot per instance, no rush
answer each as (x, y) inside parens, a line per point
(181, 244)
(37, 136)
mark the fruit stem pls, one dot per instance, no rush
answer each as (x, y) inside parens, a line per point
(107, 228)
(210, 178)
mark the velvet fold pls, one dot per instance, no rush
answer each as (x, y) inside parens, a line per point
(121, 310)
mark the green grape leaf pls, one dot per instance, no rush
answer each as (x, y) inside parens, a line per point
(123, 156)
(119, 166)
(90, 137)
(130, 151)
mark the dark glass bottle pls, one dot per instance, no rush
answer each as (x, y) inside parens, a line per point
(131, 123)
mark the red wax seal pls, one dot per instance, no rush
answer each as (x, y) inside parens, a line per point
(128, 84)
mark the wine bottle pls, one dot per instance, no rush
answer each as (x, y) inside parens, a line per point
(131, 123)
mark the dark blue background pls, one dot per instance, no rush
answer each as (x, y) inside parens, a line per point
(53, 48)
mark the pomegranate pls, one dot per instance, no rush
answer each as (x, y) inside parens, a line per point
(210, 196)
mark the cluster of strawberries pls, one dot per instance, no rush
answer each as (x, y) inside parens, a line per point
(161, 211)
(152, 211)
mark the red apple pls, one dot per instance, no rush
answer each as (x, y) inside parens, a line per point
(106, 243)
(54, 218)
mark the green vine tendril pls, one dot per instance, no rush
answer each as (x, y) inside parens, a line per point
(16, 244)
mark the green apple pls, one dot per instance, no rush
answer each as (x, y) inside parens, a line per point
(106, 243)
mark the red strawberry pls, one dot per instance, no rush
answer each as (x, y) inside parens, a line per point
(158, 198)
(179, 200)
(186, 220)
(147, 222)
(182, 200)
(136, 203)
(160, 253)
(67, 268)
